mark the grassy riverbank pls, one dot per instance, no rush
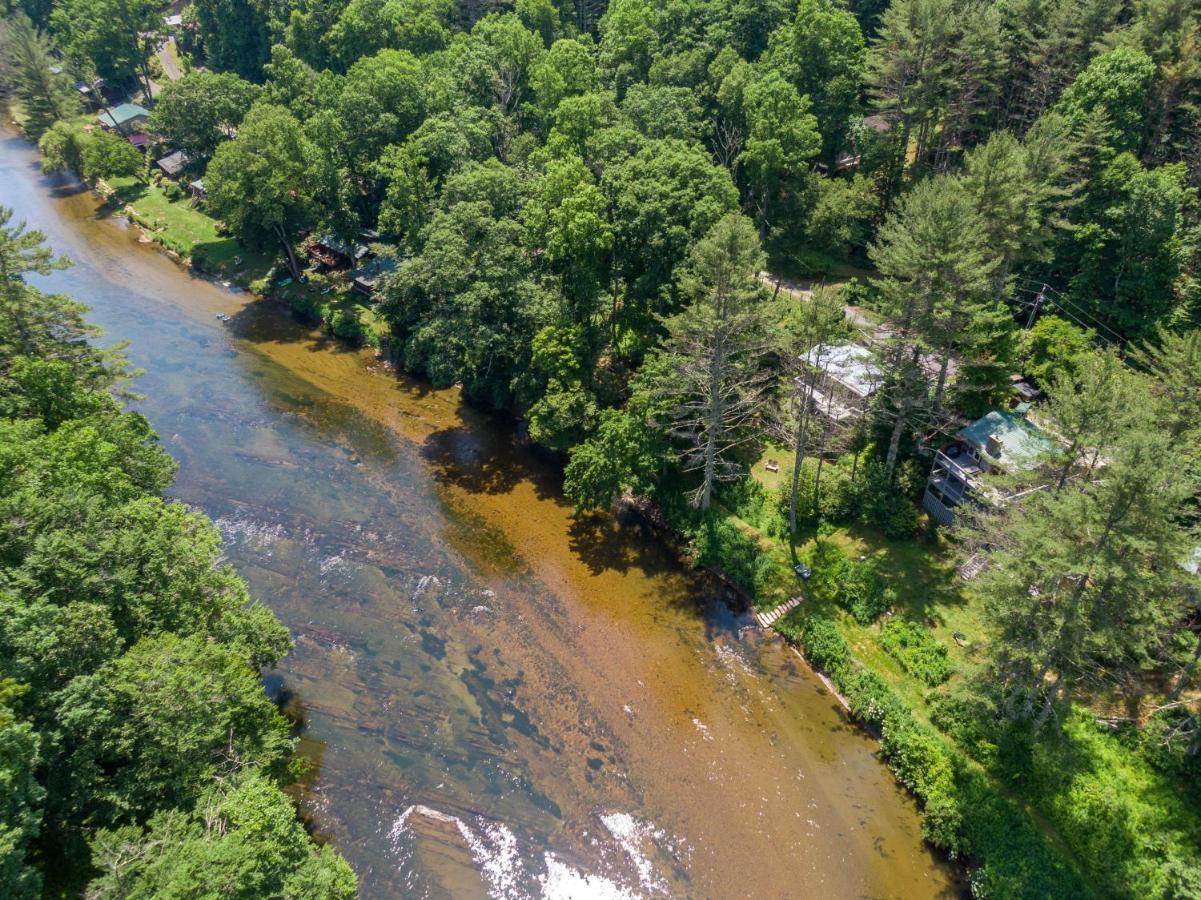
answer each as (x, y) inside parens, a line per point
(197, 240)
(1082, 813)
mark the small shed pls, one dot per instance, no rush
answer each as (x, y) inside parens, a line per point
(198, 191)
(139, 140)
(173, 164)
(124, 118)
(175, 21)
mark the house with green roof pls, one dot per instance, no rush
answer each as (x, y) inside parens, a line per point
(124, 118)
(1001, 441)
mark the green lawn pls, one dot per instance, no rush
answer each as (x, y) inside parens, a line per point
(187, 230)
(1117, 814)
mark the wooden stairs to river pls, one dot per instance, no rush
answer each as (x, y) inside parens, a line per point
(767, 619)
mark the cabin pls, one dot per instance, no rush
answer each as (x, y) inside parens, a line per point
(333, 253)
(1001, 441)
(173, 164)
(124, 119)
(365, 279)
(846, 378)
(139, 140)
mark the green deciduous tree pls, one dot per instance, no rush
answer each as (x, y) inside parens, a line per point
(566, 219)
(630, 448)
(1114, 89)
(1053, 348)
(20, 799)
(242, 841)
(153, 728)
(382, 101)
(364, 27)
(781, 137)
(628, 41)
(664, 198)
(823, 54)
(108, 155)
(566, 410)
(201, 110)
(117, 36)
(237, 34)
(465, 307)
(568, 68)
(265, 183)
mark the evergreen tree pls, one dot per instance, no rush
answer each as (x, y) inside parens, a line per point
(1084, 585)
(714, 349)
(937, 267)
(46, 96)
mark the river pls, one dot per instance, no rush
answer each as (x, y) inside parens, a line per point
(498, 699)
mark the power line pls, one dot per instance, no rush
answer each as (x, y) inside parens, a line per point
(1060, 300)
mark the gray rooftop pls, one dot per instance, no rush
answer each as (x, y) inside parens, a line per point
(850, 365)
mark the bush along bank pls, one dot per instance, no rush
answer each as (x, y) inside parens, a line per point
(963, 812)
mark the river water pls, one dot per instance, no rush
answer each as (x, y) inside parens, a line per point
(498, 699)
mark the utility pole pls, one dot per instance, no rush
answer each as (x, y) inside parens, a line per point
(1038, 301)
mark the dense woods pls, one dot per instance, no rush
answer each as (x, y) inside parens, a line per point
(579, 203)
(138, 750)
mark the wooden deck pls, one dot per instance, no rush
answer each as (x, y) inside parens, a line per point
(767, 619)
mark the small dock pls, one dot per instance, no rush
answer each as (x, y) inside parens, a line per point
(767, 619)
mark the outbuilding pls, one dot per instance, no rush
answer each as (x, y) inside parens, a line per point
(124, 119)
(845, 377)
(173, 164)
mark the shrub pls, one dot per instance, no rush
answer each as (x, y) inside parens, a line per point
(173, 192)
(827, 562)
(969, 715)
(872, 701)
(879, 501)
(309, 308)
(925, 766)
(719, 543)
(862, 593)
(792, 626)
(344, 322)
(962, 812)
(824, 646)
(917, 650)
(862, 293)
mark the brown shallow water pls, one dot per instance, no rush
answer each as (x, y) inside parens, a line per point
(499, 699)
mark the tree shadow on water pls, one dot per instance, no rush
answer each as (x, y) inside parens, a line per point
(605, 543)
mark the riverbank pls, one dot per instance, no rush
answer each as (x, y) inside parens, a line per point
(781, 572)
(1067, 798)
(467, 644)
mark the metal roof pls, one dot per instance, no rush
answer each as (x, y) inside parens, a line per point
(119, 115)
(851, 366)
(1016, 442)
